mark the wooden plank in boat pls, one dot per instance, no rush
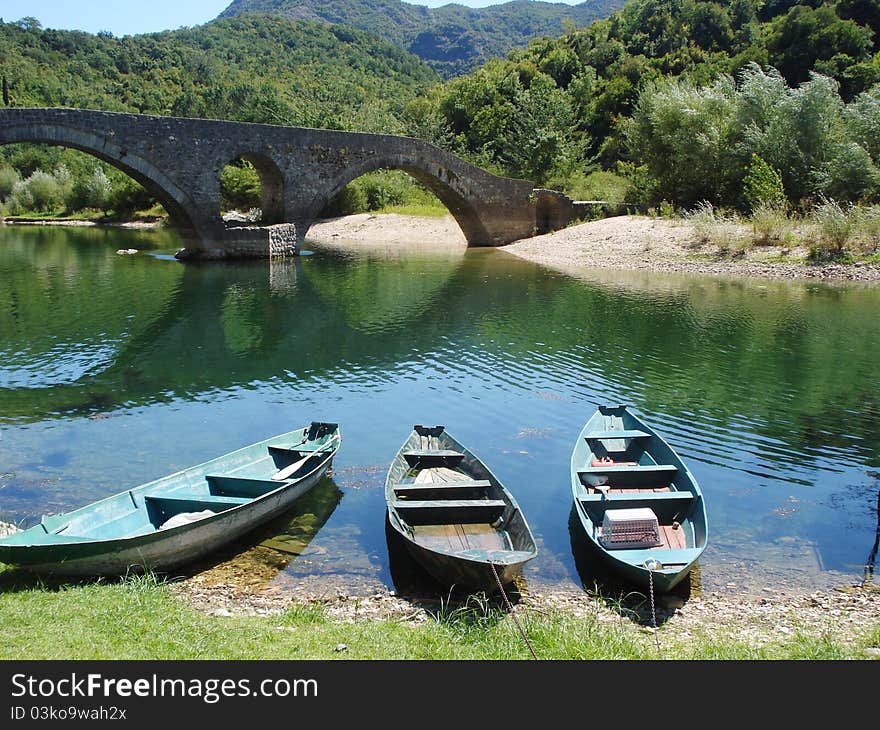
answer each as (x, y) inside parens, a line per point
(477, 536)
(432, 457)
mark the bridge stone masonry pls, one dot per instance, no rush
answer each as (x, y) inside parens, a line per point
(179, 161)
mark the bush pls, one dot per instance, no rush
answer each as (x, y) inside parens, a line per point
(762, 187)
(682, 133)
(8, 178)
(379, 190)
(348, 201)
(802, 143)
(98, 190)
(128, 196)
(598, 185)
(240, 187)
(771, 224)
(847, 174)
(834, 224)
(45, 192)
(385, 189)
(867, 225)
(20, 199)
(710, 226)
(65, 181)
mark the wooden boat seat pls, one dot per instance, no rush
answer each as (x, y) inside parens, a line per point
(445, 503)
(222, 485)
(447, 511)
(633, 476)
(427, 458)
(638, 497)
(608, 435)
(444, 490)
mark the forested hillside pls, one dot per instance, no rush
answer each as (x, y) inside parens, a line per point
(657, 91)
(257, 68)
(453, 39)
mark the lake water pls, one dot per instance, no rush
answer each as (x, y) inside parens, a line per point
(116, 369)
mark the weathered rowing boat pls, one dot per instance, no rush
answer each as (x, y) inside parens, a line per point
(456, 519)
(181, 517)
(639, 505)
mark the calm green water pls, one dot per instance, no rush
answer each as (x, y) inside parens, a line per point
(117, 369)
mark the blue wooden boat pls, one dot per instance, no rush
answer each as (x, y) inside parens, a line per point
(182, 517)
(456, 519)
(639, 505)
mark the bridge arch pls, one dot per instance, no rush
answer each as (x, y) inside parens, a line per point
(463, 210)
(271, 183)
(175, 201)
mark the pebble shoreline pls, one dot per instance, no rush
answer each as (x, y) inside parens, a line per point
(839, 615)
(632, 243)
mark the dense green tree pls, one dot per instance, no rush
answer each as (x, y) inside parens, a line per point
(803, 36)
(682, 134)
(697, 143)
(708, 25)
(863, 12)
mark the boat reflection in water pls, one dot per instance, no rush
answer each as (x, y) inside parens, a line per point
(253, 562)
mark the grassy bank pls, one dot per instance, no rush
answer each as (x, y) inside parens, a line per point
(144, 618)
(829, 232)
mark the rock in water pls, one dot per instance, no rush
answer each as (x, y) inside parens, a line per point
(7, 529)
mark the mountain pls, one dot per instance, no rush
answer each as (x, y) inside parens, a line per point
(453, 39)
(250, 69)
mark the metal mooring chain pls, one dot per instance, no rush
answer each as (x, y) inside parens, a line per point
(512, 612)
(649, 566)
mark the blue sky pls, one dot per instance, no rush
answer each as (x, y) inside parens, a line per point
(126, 17)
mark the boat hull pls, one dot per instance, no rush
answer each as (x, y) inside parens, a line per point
(654, 460)
(461, 572)
(472, 568)
(67, 544)
(155, 551)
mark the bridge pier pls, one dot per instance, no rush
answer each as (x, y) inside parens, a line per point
(244, 242)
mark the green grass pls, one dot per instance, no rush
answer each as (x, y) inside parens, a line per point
(141, 618)
(428, 210)
(93, 215)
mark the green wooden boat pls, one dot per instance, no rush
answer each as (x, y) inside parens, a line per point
(641, 508)
(454, 516)
(181, 517)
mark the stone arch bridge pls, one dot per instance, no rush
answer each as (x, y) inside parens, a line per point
(179, 161)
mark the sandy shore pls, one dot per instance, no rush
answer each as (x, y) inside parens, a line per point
(151, 223)
(635, 243)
